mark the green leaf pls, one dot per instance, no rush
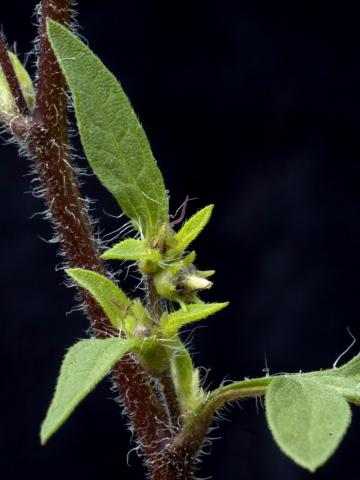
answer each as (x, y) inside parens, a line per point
(345, 380)
(113, 139)
(192, 228)
(113, 301)
(171, 322)
(132, 249)
(307, 419)
(155, 355)
(186, 380)
(84, 365)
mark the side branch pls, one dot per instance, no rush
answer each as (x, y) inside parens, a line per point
(193, 433)
(168, 389)
(166, 381)
(11, 77)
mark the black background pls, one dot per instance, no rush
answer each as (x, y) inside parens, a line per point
(253, 106)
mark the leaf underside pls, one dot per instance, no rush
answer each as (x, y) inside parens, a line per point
(307, 419)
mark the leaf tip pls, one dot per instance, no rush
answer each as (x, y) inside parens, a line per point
(312, 468)
(223, 305)
(44, 434)
(208, 211)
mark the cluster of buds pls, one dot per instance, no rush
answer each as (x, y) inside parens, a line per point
(181, 283)
(165, 261)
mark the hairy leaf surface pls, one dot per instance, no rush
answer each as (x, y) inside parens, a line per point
(113, 139)
(84, 365)
(171, 322)
(307, 419)
(345, 380)
(132, 249)
(113, 301)
(192, 228)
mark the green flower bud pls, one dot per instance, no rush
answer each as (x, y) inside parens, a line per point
(165, 284)
(138, 322)
(181, 282)
(141, 314)
(149, 267)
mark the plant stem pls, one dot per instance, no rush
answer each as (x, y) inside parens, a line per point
(169, 455)
(11, 77)
(46, 139)
(174, 464)
(166, 381)
(195, 430)
(153, 299)
(168, 389)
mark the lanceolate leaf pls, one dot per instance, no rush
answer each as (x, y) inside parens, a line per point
(84, 365)
(307, 419)
(113, 300)
(171, 322)
(113, 139)
(192, 228)
(132, 249)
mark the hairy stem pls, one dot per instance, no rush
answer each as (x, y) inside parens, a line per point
(174, 464)
(11, 77)
(169, 455)
(166, 381)
(168, 389)
(154, 299)
(46, 138)
(192, 435)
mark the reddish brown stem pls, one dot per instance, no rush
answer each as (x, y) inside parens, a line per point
(174, 464)
(11, 77)
(46, 138)
(48, 144)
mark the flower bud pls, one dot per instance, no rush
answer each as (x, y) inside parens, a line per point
(193, 283)
(181, 282)
(141, 331)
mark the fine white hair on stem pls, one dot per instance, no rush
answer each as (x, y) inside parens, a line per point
(266, 369)
(347, 349)
(174, 215)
